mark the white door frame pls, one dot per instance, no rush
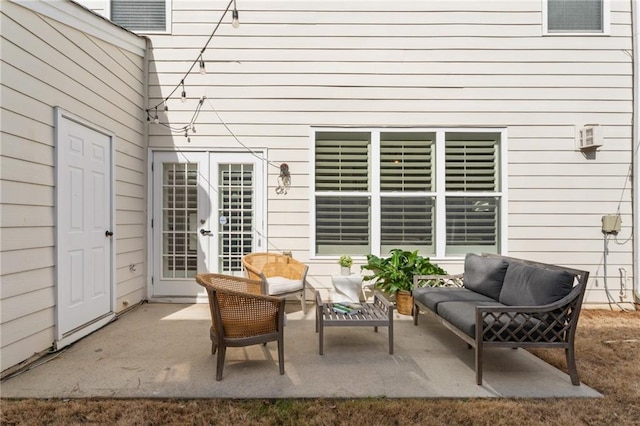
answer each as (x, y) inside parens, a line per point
(64, 338)
(260, 154)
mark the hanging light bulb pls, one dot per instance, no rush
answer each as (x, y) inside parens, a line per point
(235, 22)
(193, 128)
(166, 107)
(156, 119)
(203, 71)
(183, 98)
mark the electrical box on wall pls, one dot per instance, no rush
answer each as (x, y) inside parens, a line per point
(611, 223)
(589, 137)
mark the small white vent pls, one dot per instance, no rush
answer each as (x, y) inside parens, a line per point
(589, 137)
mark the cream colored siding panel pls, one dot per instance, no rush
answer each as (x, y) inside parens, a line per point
(434, 81)
(26, 282)
(595, 208)
(14, 331)
(132, 244)
(26, 238)
(15, 147)
(25, 304)
(385, 42)
(26, 171)
(24, 216)
(126, 259)
(16, 351)
(495, 54)
(97, 75)
(26, 194)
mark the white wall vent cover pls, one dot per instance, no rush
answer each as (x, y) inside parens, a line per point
(589, 137)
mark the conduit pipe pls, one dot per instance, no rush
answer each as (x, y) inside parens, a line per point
(635, 133)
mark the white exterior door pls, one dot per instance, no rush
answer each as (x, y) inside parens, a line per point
(207, 213)
(84, 207)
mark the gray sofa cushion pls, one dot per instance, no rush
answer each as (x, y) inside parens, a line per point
(463, 316)
(526, 285)
(484, 275)
(432, 296)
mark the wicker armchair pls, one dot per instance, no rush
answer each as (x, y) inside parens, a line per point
(242, 316)
(280, 275)
(254, 262)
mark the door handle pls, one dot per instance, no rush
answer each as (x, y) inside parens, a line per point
(205, 232)
(108, 234)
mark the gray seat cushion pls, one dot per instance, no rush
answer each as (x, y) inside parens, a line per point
(484, 275)
(463, 316)
(432, 296)
(526, 285)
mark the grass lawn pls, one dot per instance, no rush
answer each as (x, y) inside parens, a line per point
(608, 356)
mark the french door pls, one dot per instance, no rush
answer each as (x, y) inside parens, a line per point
(207, 213)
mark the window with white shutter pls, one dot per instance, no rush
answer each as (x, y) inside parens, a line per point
(576, 16)
(407, 184)
(435, 191)
(143, 16)
(471, 185)
(342, 179)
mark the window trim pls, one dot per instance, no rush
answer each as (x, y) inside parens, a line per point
(375, 194)
(168, 19)
(606, 23)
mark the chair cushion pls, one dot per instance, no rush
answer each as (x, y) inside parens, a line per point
(280, 285)
(432, 296)
(484, 275)
(526, 285)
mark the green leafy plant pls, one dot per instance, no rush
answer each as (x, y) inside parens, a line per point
(345, 261)
(394, 273)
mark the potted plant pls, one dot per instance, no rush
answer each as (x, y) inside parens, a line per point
(345, 264)
(394, 274)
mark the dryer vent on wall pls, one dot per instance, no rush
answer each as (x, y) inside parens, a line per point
(589, 137)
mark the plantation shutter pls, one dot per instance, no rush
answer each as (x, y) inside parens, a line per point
(406, 166)
(471, 165)
(405, 162)
(342, 165)
(575, 16)
(140, 15)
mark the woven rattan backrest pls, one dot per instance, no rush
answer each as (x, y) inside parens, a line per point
(254, 262)
(238, 310)
(293, 270)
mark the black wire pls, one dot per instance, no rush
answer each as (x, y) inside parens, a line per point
(196, 61)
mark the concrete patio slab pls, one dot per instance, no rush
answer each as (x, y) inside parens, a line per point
(163, 351)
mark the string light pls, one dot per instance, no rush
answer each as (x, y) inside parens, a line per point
(203, 71)
(235, 22)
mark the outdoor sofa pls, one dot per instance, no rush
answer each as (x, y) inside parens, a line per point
(507, 302)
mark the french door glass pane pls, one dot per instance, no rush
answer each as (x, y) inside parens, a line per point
(408, 223)
(179, 220)
(472, 224)
(235, 215)
(342, 225)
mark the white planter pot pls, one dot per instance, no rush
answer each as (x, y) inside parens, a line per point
(345, 270)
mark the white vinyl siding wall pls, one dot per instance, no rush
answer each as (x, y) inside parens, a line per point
(46, 64)
(293, 65)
